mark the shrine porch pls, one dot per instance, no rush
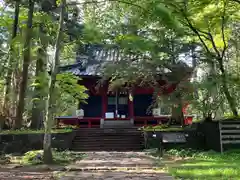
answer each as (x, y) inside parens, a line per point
(98, 122)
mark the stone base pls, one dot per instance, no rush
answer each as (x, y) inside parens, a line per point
(117, 124)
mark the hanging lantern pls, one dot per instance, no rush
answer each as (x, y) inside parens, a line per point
(130, 97)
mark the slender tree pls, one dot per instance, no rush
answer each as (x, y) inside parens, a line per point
(51, 101)
(39, 93)
(26, 62)
(10, 63)
(39, 89)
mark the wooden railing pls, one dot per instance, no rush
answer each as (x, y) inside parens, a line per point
(88, 122)
(95, 122)
(229, 132)
(144, 121)
(149, 120)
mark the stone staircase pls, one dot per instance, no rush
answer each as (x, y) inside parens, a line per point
(107, 139)
(116, 124)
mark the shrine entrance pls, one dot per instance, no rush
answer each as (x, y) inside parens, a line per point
(117, 105)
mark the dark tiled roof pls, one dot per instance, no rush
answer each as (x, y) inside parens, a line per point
(92, 58)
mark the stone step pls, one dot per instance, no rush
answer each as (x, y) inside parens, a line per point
(101, 130)
(112, 136)
(107, 149)
(106, 144)
(109, 139)
(136, 148)
(108, 134)
(117, 124)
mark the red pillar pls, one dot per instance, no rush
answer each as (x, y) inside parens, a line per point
(104, 100)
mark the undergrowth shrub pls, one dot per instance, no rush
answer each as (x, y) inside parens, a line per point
(210, 155)
(59, 157)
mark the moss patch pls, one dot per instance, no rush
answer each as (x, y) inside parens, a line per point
(162, 128)
(31, 131)
(36, 157)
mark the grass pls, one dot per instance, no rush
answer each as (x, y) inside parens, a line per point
(31, 131)
(190, 165)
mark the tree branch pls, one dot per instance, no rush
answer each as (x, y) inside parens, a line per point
(237, 1)
(196, 32)
(103, 1)
(222, 29)
(214, 45)
(204, 34)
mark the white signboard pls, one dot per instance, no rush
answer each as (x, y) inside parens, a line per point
(109, 115)
(80, 113)
(156, 112)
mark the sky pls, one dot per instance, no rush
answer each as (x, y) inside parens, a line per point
(1, 3)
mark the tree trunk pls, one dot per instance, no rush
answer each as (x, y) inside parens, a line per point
(230, 99)
(26, 62)
(39, 93)
(177, 113)
(38, 108)
(50, 104)
(10, 63)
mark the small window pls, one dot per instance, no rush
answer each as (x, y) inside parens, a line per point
(111, 100)
(123, 100)
(165, 111)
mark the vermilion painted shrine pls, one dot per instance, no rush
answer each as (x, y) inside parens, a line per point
(131, 105)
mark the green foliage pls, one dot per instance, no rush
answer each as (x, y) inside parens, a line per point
(209, 96)
(91, 34)
(32, 157)
(187, 153)
(69, 93)
(63, 157)
(154, 33)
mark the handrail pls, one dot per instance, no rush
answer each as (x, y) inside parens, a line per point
(77, 120)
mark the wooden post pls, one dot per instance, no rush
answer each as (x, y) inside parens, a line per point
(145, 122)
(146, 139)
(58, 122)
(89, 123)
(104, 100)
(116, 105)
(160, 144)
(220, 136)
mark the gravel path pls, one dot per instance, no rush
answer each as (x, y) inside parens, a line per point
(25, 175)
(115, 166)
(116, 176)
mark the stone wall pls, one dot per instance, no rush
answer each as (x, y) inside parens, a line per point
(199, 136)
(21, 143)
(195, 139)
